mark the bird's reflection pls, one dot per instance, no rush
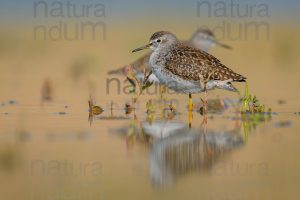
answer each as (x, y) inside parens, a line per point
(162, 129)
(188, 150)
(176, 148)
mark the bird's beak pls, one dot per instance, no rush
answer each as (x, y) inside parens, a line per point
(223, 45)
(142, 48)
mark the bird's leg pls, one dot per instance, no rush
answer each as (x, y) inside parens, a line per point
(190, 117)
(190, 106)
(203, 83)
(204, 124)
(190, 109)
(205, 102)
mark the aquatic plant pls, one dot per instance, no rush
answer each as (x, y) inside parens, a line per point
(128, 109)
(172, 107)
(150, 106)
(93, 109)
(137, 86)
(251, 103)
(47, 91)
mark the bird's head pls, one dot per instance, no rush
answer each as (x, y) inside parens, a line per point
(205, 39)
(159, 40)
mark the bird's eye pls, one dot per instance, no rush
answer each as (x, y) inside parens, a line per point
(158, 40)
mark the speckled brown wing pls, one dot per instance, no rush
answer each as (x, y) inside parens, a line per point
(187, 63)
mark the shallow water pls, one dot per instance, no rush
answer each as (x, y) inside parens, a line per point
(55, 152)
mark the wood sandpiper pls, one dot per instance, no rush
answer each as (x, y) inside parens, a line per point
(202, 38)
(186, 69)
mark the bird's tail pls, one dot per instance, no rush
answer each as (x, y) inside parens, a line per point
(238, 78)
(228, 86)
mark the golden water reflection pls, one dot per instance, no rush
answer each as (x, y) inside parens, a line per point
(176, 149)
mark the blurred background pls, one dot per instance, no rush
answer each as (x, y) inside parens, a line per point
(55, 55)
(44, 40)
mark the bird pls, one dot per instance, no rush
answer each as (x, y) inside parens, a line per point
(202, 38)
(205, 39)
(186, 69)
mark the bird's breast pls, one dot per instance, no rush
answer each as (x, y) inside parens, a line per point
(158, 58)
